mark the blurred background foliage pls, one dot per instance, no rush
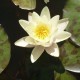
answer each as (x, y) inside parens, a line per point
(70, 50)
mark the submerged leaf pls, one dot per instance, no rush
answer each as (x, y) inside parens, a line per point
(4, 50)
(64, 76)
(25, 4)
(73, 68)
(72, 11)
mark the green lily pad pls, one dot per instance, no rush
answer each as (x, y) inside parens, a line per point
(64, 76)
(70, 57)
(72, 11)
(4, 49)
(25, 4)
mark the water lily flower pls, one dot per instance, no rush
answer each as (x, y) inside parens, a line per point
(44, 33)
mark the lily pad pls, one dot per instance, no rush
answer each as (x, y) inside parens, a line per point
(4, 49)
(64, 76)
(72, 11)
(25, 4)
(70, 57)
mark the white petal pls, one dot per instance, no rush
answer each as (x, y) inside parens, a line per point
(28, 26)
(62, 36)
(53, 22)
(62, 24)
(44, 19)
(35, 17)
(22, 43)
(24, 24)
(45, 11)
(47, 44)
(30, 40)
(53, 50)
(36, 53)
(30, 16)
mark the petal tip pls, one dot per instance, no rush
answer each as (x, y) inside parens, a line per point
(32, 59)
(45, 11)
(20, 43)
(58, 16)
(16, 43)
(20, 20)
(56, 54)
(46, 8)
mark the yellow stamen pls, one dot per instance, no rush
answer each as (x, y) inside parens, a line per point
(42, 31)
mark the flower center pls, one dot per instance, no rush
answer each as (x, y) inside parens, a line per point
(42, 31)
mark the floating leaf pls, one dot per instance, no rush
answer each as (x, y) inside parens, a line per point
(4, 50)
(74, 68)
(64, 76)
(25, 4)
(70, 56)
(72, 11)
(46, 1)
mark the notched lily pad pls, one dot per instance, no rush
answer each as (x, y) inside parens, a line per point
(25, 4)
(70, 56)
(72, 11)
(4, 49)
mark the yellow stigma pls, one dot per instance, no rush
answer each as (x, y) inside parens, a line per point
(42, 31)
